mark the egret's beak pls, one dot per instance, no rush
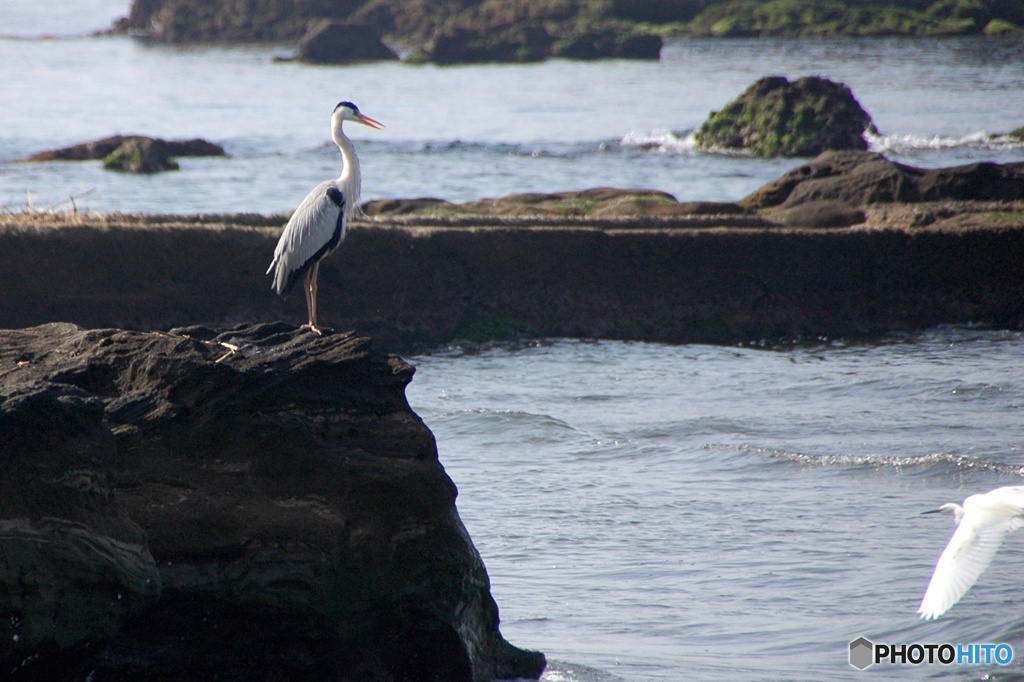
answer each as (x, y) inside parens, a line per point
(931, 511)
(367, 121)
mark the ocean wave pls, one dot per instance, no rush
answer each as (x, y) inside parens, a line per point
(685, 142)
(663, 141)
(945, 460)
(907, 143)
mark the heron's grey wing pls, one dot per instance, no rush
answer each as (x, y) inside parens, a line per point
(314, 230)
(969, 552)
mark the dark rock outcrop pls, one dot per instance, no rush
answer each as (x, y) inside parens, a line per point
(777, 117)
(819, 214)
(469, 44)
(252, 504)
(339, 42)
(596, 43)
(131, 153)
(639, 46)
(863, 178)
(233, 21)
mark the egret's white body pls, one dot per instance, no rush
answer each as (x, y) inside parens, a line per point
(981, 526)
(318, 225)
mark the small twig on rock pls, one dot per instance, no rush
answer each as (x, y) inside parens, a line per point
(232, 349)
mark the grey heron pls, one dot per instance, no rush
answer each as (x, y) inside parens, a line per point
(318, 225)
(981, 526)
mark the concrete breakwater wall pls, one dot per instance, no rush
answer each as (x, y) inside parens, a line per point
(412, 286)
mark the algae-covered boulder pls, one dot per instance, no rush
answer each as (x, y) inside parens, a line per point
(778, 117)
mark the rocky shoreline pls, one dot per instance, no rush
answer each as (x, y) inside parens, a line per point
(454, 31)
(415, 283)
(846, 244)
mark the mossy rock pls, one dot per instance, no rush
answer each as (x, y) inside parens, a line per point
(803, 18)
(141, 155)
(1001, 27)
(776, 117)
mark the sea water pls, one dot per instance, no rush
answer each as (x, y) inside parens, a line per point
(460, 132)
(657, 512)
(645, 511)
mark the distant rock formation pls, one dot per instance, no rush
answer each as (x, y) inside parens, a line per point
(777, 117)
(444, 32)
(131, 153)
(478, 42)
(330, 41)
(810, 18)
(528, 30)
(250, 504)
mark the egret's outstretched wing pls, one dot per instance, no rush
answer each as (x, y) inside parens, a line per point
(987, 521)
(314, 230)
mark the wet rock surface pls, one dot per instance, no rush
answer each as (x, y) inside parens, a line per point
(248, 503)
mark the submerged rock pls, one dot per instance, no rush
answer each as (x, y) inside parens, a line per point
(776, 117)
(257, 503)
(131, 153)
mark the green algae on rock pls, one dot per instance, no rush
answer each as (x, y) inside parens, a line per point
(778, 117)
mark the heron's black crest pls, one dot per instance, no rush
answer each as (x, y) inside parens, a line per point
(348, 104)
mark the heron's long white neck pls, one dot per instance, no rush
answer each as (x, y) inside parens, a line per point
(350, 180)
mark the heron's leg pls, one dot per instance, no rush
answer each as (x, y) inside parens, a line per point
(314, 272)
(306, 289)
(311, 278)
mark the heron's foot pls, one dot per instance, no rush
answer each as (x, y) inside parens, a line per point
(316, 329)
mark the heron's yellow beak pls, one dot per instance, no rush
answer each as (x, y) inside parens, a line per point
(367, 121)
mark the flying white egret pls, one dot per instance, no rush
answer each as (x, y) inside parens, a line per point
(981, 526)
(318, 224)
